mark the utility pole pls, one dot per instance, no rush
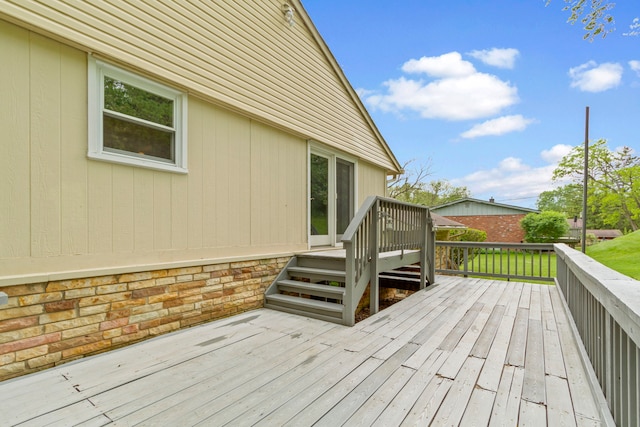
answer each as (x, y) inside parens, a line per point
(585, 182)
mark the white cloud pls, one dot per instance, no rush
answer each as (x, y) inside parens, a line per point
(555, 153)
(363, 92)
(448, 65)
(635, 66)
(499, 126)
(458, 91)
(501, 58)
(513, 179)
(512, 164)
(634, 28)
(591, 77)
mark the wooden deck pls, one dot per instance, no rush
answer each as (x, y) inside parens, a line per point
(464, 352)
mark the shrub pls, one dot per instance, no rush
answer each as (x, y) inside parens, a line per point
(471, 235)
(456, 255)
(545, 227)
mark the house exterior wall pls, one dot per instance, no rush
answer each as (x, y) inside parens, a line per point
(94, 255)
(371, 180)
(244, 194)
(499, 228)
(53, 322)
(241, 55)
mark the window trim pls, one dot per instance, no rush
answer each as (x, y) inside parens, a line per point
(96, 72)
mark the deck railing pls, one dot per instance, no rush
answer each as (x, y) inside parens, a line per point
(525, 261)
(383, 225)
(605, 307)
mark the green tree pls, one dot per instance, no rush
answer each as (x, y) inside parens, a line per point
(545, 227)
(403, 186)
(613, 182)
(566, 199)
(442, 191)
(410, 187)
(453, 257)
(469, 235)
(593, 14)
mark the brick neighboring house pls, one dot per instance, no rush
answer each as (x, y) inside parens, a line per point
(501, 222)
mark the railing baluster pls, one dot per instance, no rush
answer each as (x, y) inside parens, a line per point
(607, 318)
(495, 259)
(382, 225)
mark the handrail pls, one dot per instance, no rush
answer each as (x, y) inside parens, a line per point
(383, 225)
(605, 307)
(525, 261)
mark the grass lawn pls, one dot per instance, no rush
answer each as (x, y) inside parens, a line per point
(621, 254)
(516, 263)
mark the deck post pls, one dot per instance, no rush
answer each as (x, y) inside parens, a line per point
(424, 252)
(431, 249)
(427, 251)
(376, 229)
(349, 315)
(465, 257)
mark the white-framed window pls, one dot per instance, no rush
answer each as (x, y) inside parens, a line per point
(134, 120)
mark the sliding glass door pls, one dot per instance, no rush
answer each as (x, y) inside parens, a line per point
(319, 200)
(331, 197)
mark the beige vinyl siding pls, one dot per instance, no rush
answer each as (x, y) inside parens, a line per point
(240, 54)
(244, 195)
(371, 181)
(15, 232)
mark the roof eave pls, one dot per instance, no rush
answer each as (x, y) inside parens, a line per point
(352, 93)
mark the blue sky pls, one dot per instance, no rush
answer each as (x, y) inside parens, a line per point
(490, 93)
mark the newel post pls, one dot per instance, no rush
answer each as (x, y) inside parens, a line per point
(349, 313)
(466, 261)
(428, 259)
(374, 241)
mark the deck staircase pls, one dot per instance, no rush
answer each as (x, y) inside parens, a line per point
(313, 285)
(382, 247)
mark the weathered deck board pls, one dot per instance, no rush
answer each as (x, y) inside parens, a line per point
(559, 407)
(467, 352)
(403, 403)
(576, 376)
(534, 378)
(508, 398)
(492, 371)
(478, 411)
(454, 404)
(518, 342)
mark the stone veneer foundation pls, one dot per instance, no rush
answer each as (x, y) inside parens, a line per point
(46, 324)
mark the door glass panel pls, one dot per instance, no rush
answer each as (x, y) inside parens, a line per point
(344, 195)
(319, 195)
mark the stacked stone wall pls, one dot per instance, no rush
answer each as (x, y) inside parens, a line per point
(46, 324)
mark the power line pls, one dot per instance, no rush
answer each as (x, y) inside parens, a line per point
(520, 198)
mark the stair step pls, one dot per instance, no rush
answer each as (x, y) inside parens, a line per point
(401, 273)
(325, 291)
(399, 282)
(322, 262)
(320, 273)
(306, 303)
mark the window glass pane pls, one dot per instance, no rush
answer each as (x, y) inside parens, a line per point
(145, 141)
(130, 100)
(344, 195)
(319, 195)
